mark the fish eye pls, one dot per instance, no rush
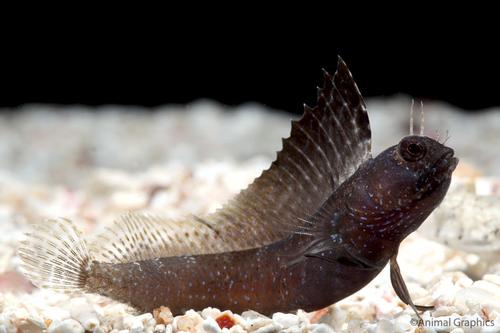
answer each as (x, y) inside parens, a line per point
(412, 151)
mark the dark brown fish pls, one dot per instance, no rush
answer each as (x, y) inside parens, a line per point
(315, 227)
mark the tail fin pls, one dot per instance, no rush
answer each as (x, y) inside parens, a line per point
(55, 256)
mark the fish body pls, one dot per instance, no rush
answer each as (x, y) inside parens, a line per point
(257, 279)
(315, 227)
(283, 276)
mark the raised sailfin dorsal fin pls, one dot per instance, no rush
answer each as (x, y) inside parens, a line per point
(325, 147)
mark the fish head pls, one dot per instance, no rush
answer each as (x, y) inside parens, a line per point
(406, 182)
(426, 165)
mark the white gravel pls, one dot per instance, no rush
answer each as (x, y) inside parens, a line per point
(93, 166)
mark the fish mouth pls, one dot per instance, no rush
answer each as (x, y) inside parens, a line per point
(446, 164)
(440, 172)
(443, 168)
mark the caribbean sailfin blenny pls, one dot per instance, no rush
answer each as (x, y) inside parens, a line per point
(314, 228)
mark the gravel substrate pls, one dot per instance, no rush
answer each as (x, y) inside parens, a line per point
(93, 166)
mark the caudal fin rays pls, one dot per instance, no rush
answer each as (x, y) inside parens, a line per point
(54, 255)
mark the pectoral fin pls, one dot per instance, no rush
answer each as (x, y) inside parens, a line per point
(400, 287)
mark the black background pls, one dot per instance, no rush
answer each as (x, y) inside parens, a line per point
(279, 72)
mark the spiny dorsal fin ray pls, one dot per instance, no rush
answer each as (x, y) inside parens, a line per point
(325, 147)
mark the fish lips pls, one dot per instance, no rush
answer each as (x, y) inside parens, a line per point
(447, 163)
(444, 167)
(439, 172)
